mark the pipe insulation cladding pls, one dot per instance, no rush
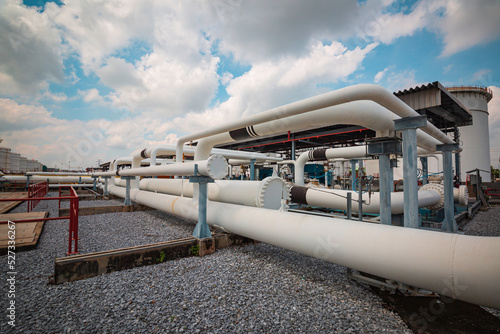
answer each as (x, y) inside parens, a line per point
(268, 193)
(459, 266)
(363, 113)
(49, 178)
(368, 92)
(337, 199)
(215, 167)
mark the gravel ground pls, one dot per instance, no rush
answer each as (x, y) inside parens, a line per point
(257, 288)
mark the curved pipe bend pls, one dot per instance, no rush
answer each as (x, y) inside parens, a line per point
(369, 92)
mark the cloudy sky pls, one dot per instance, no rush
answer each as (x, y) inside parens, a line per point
(82, 80)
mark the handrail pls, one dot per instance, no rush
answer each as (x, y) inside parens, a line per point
(73, 215)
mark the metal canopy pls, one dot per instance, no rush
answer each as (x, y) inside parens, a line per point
(438, 104)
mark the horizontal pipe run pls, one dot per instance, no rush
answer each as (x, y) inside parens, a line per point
(441, 262)
(337, 199)
(48, 178)
(267, 193)
(370, 92)
(215, 167)
(363, 113)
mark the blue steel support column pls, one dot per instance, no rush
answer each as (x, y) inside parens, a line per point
(349, 204)
(127, 200)
(252, 169)
(409, 126)
(293, 150)
(383, 148)
(386, 185)
(95, 184)
(202, 230)
(449, 224)
(27, 181)
(353, 172)
(106, 186)
(425, 169)
(360, 189)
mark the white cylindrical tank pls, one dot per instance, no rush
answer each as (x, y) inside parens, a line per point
(475, 137)
(5, 159)
(22, 164)
(14, 162)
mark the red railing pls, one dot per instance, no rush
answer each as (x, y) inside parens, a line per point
(37, 191)
(73, 215)
(488, 193)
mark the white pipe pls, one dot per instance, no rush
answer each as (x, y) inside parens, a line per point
(458, 266)
(363, 113)
(348, 153)
(58, 173)
(214, 167)
(50, 179)
(337, 199)
(267, 193)
(153, 152)
(374, 93)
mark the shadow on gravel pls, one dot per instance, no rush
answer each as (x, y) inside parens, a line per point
(440, 315)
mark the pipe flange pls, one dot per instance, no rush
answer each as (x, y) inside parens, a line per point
(217, 166)
(461, 195)
(438, 188)
(271, 191)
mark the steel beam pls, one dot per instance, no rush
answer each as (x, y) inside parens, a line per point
(408, 126)
(449, 223)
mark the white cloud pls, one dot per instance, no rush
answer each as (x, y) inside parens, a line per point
(30, 50)
(396, 81)
(467, 23)
(95, 29)
(380, 75)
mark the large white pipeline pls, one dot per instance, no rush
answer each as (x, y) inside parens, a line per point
(215, 167)
(368, 92)
(268, 193)
(153, 152)
(458, 266)
(363, 113)
(353, 152)
(48, 178)
(337, 199)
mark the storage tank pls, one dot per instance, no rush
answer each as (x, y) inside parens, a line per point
(22, 164)
(14, 162)
(5, 159)
(476, 137)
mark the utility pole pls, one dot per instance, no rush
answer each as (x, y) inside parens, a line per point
(69, 166)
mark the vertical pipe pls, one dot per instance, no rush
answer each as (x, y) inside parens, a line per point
(252, 169)
(458, 172)
(353, 173)
(342, 175)
(425, 169)
(360, 189)
(349, 203)
(293, 149)
(202, 230)
(127, 192)
(385, 188)
(410, 177)
(106, 186)
(449, 224)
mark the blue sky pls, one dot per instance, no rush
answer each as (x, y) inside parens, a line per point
(88, 80)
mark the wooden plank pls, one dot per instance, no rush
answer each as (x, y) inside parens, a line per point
(7, 206)
(27, 234)
(83, 266)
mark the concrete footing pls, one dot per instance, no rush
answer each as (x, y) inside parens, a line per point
(83, 266)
